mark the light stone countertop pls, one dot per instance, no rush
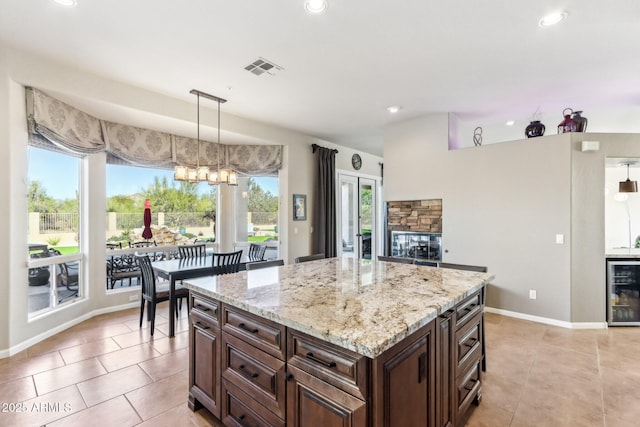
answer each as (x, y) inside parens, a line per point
(364, 306)
(623, 253)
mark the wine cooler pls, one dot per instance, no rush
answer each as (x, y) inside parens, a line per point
(623, 292)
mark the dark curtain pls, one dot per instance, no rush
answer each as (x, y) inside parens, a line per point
(324, 206)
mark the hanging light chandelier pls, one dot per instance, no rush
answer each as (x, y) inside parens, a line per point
(628, 186)
(203, 173)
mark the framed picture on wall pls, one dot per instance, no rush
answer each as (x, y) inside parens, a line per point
(299, 207)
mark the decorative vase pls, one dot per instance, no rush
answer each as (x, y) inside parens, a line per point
(581, 122)
(535, 128)
(568, 124)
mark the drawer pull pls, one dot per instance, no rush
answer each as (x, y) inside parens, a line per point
(241, 420)
(470, 342)
(201, 325)
(246, 373)
(243, 326)
(202, 307)
(330, 364)
(470, 387)
(470, 307)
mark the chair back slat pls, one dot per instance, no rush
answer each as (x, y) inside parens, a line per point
(192, 251)
(307, 258)
(225, 263)
(148, 277)
(256, 252)
(264, 264)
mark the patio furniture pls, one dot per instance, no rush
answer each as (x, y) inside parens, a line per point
(121, 267)
(112, 245)
(67, 274)
(154, 292)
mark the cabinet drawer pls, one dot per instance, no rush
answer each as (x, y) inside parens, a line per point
(339, 367)
(204, 323)
(238, 409)
(468, 308)
(468, 341)
(264, 334)
(256, 372)
(206, 308)
(468, 386)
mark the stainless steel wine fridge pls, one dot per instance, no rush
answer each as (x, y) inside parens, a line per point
(623, 292)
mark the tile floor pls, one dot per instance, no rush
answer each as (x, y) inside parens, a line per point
(108, 372)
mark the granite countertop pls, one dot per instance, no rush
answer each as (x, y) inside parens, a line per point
(623, 253)
(364, 306)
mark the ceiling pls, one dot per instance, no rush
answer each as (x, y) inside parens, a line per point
(341, 69)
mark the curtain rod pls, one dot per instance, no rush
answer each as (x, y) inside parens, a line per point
(316, 146)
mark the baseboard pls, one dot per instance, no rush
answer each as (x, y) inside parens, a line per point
(51, 332)
(547, 321)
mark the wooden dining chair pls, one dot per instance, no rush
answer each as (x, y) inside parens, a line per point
(192, 251)
(397, 259)
(264, 264)
(153, 292)
(307, 258)
(256, 252)
(225, 263)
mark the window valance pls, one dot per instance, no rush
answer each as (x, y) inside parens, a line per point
(74, 130)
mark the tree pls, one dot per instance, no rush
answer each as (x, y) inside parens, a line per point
(259, 200)
(39, 200)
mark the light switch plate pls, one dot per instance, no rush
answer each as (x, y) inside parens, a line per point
(560, 239)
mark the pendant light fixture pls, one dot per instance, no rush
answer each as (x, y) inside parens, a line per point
(202, 173)
(628, 186)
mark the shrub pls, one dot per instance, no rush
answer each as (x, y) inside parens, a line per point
(53, 240)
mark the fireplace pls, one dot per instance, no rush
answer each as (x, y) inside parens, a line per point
(414, 229)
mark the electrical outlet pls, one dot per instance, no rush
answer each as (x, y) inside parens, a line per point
(133, 297)
(532, 294)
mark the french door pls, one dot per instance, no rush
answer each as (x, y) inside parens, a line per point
(357, 221)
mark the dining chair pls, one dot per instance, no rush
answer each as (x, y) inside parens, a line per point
(192, 251)
(306, 258)
(397, 259)
(264, 264)
(225, 263)
(154, 292)
(256, 252)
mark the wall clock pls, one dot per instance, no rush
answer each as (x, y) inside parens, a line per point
(356, 161)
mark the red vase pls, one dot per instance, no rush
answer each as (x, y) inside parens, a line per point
(568, 124)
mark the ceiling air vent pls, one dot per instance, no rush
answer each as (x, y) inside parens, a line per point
(261, 66)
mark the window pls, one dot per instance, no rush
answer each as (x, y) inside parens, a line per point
(180, 213)
(55, 261)
(256, 212)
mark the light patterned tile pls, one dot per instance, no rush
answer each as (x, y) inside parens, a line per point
(166, 365)
(88, 350)
(113, 384)
(45, 409)
(154, 399)
(67, 375)
(126, 357)
(114, 412)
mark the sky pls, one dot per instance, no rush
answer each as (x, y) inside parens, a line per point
(55, 171)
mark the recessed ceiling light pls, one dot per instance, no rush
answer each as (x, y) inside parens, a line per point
(393, 109)
(510, 123)
(315, 7)
(553, 18)
(66, 3)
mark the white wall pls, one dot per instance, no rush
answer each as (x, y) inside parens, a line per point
(126, 104)
(503, 204)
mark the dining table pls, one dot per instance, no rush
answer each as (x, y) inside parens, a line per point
(177, 269)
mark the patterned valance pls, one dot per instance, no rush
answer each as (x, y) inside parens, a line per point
(80, 133)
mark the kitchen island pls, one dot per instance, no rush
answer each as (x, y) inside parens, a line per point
(337, 342)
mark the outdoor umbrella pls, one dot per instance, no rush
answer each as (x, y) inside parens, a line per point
(146, 233)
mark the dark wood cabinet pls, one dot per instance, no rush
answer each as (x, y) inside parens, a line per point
(312, 402)
(251, 371)
(404, 382)
(445, 367)
(204, 356)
